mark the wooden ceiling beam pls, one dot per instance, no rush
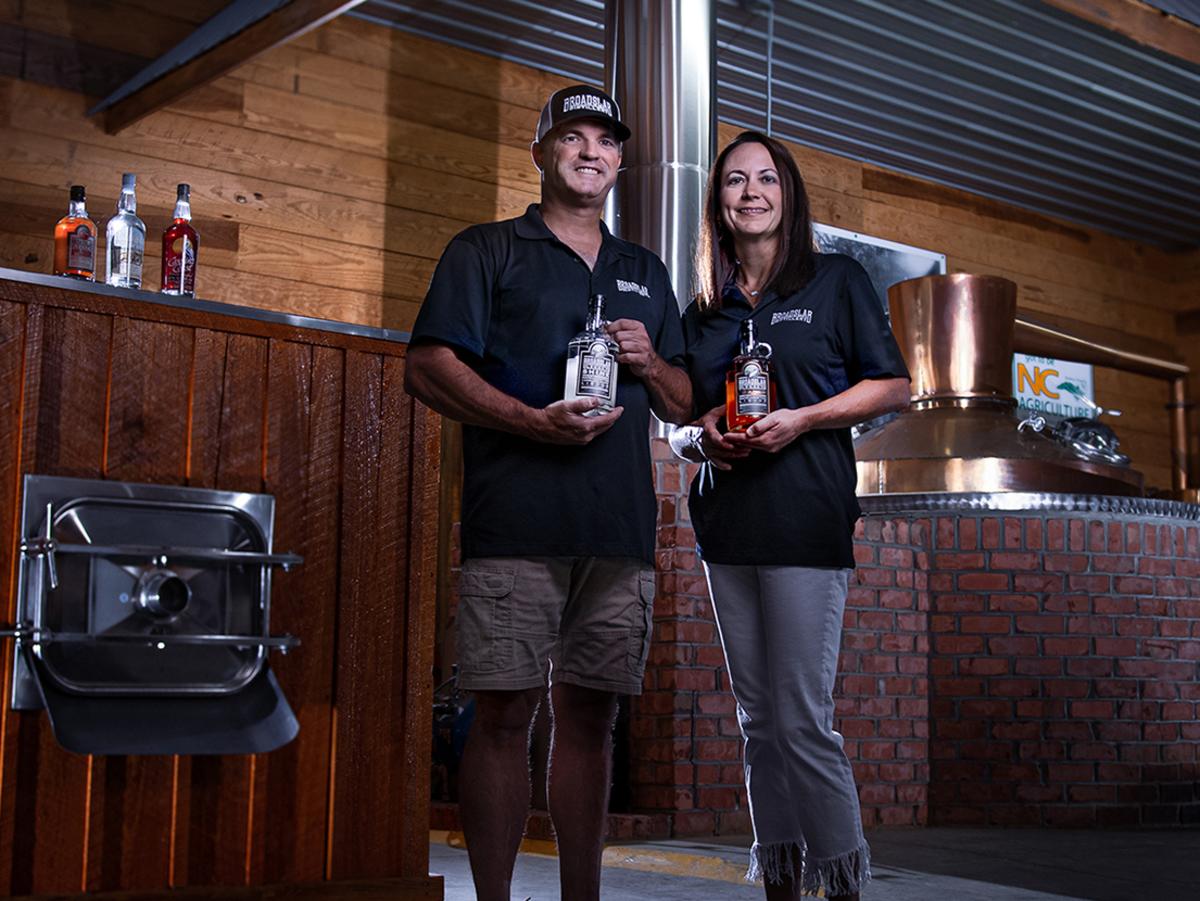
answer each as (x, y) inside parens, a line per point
(209, 54)
(1139, 22)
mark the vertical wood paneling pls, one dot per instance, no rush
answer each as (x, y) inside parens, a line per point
(12, 349)
(147, 441)
(331, 433)
(221, 790)
(364, 827)
(66, 365)
(303, 470)
(422, 564)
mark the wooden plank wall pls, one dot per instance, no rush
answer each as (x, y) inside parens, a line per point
(328, 175)
(119, 390)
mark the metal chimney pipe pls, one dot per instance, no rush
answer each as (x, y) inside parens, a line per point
(660, 64)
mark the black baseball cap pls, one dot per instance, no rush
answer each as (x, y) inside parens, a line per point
(581, 101)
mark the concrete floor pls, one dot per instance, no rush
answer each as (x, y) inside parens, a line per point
(908, 865)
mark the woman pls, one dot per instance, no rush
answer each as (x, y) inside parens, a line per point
(774, 506)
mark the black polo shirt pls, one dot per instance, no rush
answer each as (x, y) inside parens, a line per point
(509, 296)
(796, 507)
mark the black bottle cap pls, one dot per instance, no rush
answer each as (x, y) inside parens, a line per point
(78, 194)
(183, 192)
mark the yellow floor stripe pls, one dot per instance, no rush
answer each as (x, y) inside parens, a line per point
(649, 860)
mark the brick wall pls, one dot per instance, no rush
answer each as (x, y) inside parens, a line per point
(1028, 669)
(1065, 673)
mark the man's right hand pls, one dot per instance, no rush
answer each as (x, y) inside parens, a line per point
(717, 448)
(563, 422)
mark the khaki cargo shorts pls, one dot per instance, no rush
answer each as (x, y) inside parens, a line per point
(586, 619)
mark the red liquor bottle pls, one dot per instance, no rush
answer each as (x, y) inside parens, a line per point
(180, 248)
(75, 240)
(749, 385)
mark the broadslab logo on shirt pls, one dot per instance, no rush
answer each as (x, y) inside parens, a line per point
(792, 316)
(632, 288)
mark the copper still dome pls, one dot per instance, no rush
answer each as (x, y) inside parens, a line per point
(962, 432)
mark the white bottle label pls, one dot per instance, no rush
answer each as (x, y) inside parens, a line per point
(752, 395)
(595, 371)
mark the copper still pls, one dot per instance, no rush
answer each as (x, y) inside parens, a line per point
(964, 431)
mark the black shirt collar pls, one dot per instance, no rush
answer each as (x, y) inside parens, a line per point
(532, 227)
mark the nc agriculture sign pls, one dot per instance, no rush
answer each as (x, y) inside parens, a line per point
(1052, 386)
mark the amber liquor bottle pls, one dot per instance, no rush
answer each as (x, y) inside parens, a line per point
(592, 361)
(75, 239)
(749, 384)
(180, 248)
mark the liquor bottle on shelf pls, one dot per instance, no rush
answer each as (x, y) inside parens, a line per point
(749, 385)
(75, 239)
(180, 247)
(592, 361)
(126, 235)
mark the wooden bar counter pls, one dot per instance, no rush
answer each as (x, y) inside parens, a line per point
(134, 386)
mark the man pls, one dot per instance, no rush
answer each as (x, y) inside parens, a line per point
(558, 518)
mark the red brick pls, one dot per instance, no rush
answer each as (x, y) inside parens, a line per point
(959, 603)
(1090, 625)
(959, 561)
(1024, 561)
(1068, 647)
(1075, 532)
(1096, 710)
(1067, 603)
(895, 556)
(1016, 645)
(1093, 667)
(1149, 566)
(1012, 532)
(1097, 584)
(1112, 564)
(990, 532)
(1041, 624)
(990, 581)
(687, 679)
(1013, 603)
(1115, 605)
(1157, 669)
(1134, 585)
(985, 624)
(968, 533)
(1034, 533)
(1013, 688)
(1116, 647)
(1065, 688)
(1096, 540)
(879, 578)
(1066, 563)
(863, 553)
(1044, 583)
(984, 666)
(896, 600)
(991, 709)
(1176, 588)
(1039, 666)
(958, 644)
(946, 532)
(1055, 535)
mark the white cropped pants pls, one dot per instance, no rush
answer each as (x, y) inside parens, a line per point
(781, 627)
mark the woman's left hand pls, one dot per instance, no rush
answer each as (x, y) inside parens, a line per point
(773, 432)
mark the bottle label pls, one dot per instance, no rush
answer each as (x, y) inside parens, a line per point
(753, 397)
(81, 249)
(179, 266)
(128, 260)
(595, 371)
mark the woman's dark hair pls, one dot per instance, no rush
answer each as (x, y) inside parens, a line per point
(716, 258)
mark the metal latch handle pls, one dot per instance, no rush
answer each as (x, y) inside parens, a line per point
(44, 546)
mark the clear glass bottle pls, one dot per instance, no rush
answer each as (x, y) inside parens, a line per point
(749, 384)
(75, 239)
(592, 361)
(126, 235)
(180, 247)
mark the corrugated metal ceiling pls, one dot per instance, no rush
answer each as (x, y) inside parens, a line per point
(1010, 99)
